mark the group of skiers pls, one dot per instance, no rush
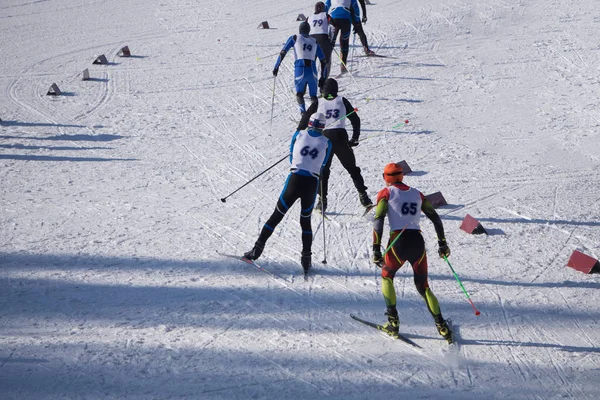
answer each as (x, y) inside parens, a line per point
(316, 39)
(320, 134)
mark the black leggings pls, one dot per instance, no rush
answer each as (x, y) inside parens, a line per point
(296, 187)
(343, 25)
(325, 44)
(339, 146)
(358, 28)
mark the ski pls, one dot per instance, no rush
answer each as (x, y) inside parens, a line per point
(452, 340)
(338, 76)
(368, 209)
(241, 258)
(375, 55)
(322, 213)
(382, 329)
(327, 218)
(253, 263)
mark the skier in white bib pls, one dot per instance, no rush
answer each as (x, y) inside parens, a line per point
(306, 51)
(309, 152)
(320, 29)
(337, 110)
(358, 28)
(403, 205)
(342, 13)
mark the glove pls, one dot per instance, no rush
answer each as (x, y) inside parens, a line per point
(353, 142)
(321, 82)
(275, 71)
(377, 257)
(364, 19)
(443, 249)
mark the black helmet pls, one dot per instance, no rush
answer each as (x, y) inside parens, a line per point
(304, 28)
(319, 7)
(330, 88)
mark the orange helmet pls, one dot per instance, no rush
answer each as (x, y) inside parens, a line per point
(392, 173)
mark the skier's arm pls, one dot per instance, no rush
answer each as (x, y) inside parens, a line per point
(327, 155)
(286, 47)
(294, 137)
(303, 124)
(354, 11)
(378, 223)
(354, 120)
(434, 217)
(429, 211)
(363, 7)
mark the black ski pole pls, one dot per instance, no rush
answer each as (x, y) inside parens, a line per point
(273, 101)
(323, 219)
(224, 199)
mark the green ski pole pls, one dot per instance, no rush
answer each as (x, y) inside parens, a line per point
(477, 312)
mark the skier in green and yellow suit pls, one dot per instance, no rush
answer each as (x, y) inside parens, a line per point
(403, 205)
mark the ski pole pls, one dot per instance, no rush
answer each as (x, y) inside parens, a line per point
(224, 199)
(341, 118)
(245, 184)
(273, 101)
(477, 312)
(394, 241)
(353, 41)
(284, 157)
(323, 219)
(345, 66)
(258, 58)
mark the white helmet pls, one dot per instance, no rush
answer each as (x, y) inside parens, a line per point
(317, 121)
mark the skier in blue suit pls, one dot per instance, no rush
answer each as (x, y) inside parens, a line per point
(342, 13)
(306, 51)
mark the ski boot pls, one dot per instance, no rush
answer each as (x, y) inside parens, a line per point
(369, 52)
(255, 252)
(306, 261)
(365, 200)
(443, 329)
(321, 205)
(392, 327)
(343, 69)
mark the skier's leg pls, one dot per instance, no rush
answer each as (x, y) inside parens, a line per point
(313, 85)
(431, 301)
(287, 197)
(388, 272)
(327, 49)
(346, 156)
(307, 201)
(358, 28)
(300, 86)
(322, 188)
(345, 41)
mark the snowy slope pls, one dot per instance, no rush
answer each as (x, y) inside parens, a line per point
(111, 285)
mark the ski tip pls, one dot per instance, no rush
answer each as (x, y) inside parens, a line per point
(368, 210)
